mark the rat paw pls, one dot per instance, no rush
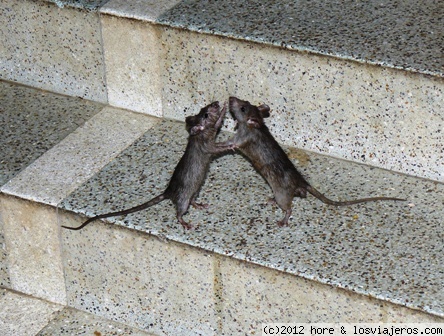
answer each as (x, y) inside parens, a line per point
(233, 148)
(282, 223)
(271, 201)
(185, 225)
(200, 205)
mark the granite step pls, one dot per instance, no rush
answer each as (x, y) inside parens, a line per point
(22, 315)
(375, 262)
(361, 81)
(356, 91)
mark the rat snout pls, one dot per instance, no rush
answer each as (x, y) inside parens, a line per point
(213, 110)
(234, 103)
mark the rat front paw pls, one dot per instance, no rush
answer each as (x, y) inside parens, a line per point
(233, 147)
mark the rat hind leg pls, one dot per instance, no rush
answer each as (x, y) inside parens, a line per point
(284, 200)
(284, 221)
(182, 208)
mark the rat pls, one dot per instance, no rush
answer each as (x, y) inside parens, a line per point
(190, 172)
(254, 140)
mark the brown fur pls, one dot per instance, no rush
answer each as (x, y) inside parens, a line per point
(255, 141)
(190, 172)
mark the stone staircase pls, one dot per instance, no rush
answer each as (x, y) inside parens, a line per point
(93, 97)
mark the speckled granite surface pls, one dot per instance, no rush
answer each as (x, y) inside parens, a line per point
(378, 116)
(52, 48)
(74, 322)
(26, 316)
(147, 10)
(87, 4)
(23, 315)
(59, 171)
(370, 114)
(407, 35)
(4, 265)
(33, 121)
(390, 250)
(133, 64)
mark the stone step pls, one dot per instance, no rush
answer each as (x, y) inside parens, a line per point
(23, 315)
(358, 81)
(374, 262)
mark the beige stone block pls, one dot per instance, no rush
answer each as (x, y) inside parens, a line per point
(75, 322)
(54, 49)
(132, 64)
(23, 315)
(4, 268)
(33, 249)
(399, 314)
(191, 75)
(252, 295)
(322, 104)
(133, 278)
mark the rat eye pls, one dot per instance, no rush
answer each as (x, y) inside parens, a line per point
(243, 109)
(205, 115)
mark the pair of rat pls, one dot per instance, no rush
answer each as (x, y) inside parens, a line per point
(254, 140)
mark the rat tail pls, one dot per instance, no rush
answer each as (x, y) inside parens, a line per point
(326, 200)
(140, 207)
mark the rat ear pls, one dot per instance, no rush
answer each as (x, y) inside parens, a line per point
(190, 120)
(264, 110)
(190, 123)
(254, 122)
